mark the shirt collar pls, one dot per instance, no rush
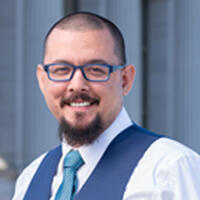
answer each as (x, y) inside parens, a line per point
(92, 153)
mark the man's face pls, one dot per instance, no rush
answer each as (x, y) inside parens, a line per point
(79, 48)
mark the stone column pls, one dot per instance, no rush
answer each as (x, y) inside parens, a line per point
(173, 69)
(160, 66)
(187, 72)
(7, 82)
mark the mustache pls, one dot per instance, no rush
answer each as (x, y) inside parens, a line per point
(79, 96)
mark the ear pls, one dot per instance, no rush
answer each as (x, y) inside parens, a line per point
(41, 77)
(128, 76)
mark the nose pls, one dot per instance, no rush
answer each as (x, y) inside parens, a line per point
(78, 82)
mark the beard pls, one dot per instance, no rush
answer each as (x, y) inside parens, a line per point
(77, 136)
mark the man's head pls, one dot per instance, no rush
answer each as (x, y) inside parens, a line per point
(83, 21)
(82, 106)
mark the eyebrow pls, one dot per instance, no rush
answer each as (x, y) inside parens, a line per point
(96, 61)
(92, 61)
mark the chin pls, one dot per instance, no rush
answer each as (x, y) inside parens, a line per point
(80, 132)
(81, 120)
(80, 125)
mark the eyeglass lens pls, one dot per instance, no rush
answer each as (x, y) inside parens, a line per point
(92, 72)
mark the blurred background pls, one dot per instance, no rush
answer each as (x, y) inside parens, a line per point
(162, 41)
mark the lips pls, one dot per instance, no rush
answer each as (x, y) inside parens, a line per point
(79, 100)
(81, 104)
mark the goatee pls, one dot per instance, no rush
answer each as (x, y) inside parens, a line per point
(77, 136)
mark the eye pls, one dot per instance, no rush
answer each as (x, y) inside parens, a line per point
(59, 70)
(96, 70)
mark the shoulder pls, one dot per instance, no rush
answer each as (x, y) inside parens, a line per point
(30, 170)
(170, 150)
(165, 153)
(28, 173)
(26, 176)
(167, 167)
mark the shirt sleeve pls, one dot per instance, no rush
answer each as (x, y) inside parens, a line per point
(186, 174)
(25, 178)
(166, 176)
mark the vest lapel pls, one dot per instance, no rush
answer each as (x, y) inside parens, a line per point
(109, 179)
(40, 186)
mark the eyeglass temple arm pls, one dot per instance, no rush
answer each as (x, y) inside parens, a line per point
(116, 67)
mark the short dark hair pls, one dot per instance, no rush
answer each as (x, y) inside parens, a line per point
(90, 21)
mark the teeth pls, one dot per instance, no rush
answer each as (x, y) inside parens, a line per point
(82, 104)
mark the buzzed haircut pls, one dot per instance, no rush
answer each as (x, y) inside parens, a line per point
(81, 21)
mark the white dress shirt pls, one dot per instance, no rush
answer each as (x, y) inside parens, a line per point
(167, 171)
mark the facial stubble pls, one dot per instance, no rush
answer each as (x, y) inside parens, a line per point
(77, 135)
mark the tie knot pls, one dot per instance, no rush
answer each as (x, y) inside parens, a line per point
(73, 160)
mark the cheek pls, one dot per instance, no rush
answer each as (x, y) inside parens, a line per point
(112, 98)
(111, 105)
(115, 98)
(56, 90)
(53, 95)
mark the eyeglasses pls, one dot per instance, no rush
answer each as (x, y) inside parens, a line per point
(61, 72)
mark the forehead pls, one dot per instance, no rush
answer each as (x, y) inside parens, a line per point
(77, 44)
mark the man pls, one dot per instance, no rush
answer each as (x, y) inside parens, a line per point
(83, 78)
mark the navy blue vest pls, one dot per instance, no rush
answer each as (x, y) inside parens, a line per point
(110, 177)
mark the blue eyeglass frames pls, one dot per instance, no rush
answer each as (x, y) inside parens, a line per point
(61, 72)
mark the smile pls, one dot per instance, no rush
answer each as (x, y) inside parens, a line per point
(80, 104)
(79, 100)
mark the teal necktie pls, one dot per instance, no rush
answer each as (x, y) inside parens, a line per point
(68, 187)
